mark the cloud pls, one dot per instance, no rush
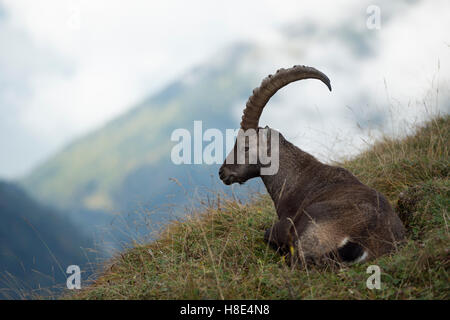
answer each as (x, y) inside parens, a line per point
(67, 67)
(380, 78)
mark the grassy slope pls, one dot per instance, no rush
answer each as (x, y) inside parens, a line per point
(220, 253)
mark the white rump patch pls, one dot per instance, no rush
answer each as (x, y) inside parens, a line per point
(362, 257)
(344, 242)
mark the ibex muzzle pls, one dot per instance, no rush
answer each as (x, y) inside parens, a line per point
(325, 213)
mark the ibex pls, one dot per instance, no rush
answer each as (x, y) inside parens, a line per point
(325, 213)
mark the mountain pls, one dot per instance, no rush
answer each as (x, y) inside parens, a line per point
(37, 244)
(126, 165)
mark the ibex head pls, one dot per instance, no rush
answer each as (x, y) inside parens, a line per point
(255, 152)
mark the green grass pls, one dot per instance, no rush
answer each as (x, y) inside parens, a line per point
(219, 252)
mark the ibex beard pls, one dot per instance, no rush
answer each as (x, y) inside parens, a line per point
(325, 213)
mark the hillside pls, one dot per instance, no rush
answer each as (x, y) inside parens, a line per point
(219, 253)
(35, 248)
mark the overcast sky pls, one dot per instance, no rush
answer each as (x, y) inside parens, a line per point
(67, 67)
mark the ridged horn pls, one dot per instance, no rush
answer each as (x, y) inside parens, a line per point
(270, 85)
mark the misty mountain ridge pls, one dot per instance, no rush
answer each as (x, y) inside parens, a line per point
(37, 244)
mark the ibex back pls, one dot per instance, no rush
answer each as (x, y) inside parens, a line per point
(325, 213)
